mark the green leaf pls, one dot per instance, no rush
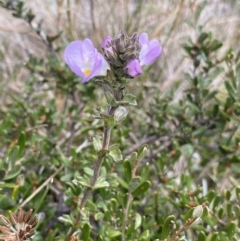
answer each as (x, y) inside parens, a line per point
(6, 202)
(98, 216)
(86, 232)
(12, 174)
(113, 233)
(216, 202)
(134, 183)
(12, 157)
(220, 212)
(144, 235)
(2, 174)
(189, 214)
(66, 161)
(40, 199)
(115, 152)
(201, 236)
(101, 182)
(84, 181)
(238, 193)
(214, 237)
(211, 195)
(138, 220)
(66, 219)
(127, 170)
(8, 185)
(202, 38)
(89, 171)
(215, 45)
(167, 226)
(230, 89)
(123, 183)
(130, 99)
(142, 153)
(231, 229)
(21, 143)
(91, 206)
(141, 189)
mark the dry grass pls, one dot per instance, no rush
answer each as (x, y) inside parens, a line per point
(165, 20)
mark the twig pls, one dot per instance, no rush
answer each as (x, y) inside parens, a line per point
(41, 187)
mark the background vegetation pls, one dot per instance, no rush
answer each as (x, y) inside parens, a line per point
(187, 117)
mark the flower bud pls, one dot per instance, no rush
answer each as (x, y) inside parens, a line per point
(120, 114)
(133, 68)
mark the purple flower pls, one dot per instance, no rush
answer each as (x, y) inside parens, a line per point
(84, 60)
(150, 50)
(134, 68)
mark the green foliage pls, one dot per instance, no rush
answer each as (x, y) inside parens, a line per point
(185, 156)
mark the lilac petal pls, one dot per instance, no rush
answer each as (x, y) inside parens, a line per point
(105, 41)
(143, 38)
(134, 68)
(150, 52)
(84, 60)
(99, 68)
(73, 57)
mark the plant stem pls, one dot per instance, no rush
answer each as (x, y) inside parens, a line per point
(96, 172)
(129, 200)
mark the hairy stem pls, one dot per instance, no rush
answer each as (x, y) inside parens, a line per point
(96, 172)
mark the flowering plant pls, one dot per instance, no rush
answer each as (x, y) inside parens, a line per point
(122, 61)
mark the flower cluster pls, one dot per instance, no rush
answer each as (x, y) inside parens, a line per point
(123, 55)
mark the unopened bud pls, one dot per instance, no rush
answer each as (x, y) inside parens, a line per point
(120, 114)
